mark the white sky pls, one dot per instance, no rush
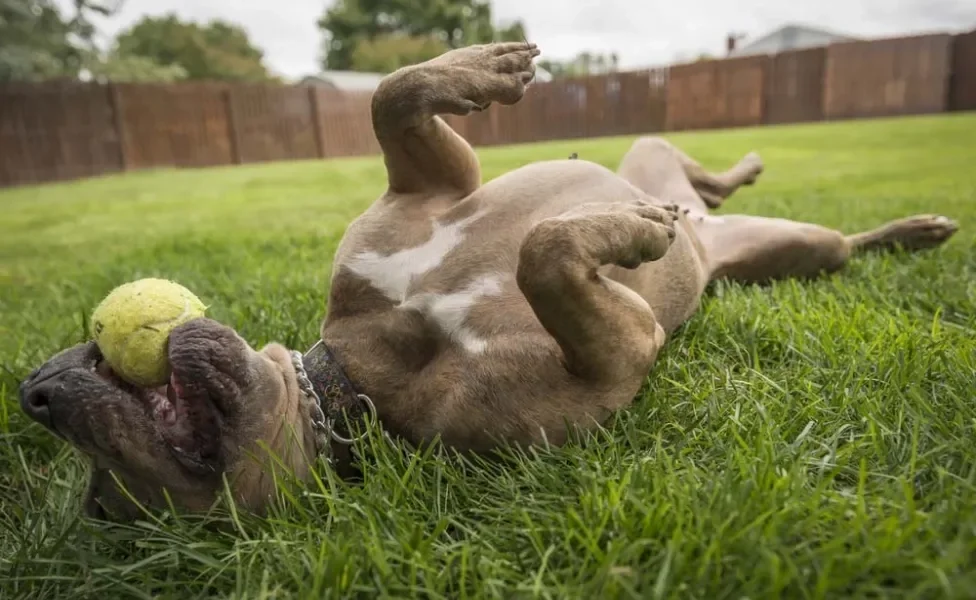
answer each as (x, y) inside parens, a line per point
(642, 32)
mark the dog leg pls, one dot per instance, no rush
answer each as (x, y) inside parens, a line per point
(607, 332)
(659, 168)
(715, 188)
(759, 249)
(912, 233)
(422, 153)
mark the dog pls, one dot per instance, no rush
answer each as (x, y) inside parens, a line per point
(512, 312)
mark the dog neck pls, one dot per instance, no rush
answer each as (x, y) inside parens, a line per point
(338, 411)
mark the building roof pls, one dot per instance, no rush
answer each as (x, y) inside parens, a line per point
(790, 37)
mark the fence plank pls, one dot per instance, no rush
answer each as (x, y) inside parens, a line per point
(896, 76)
(182, 125)
(717, 93)
(273, 123)
(346, 123)
(794, 88)
(313, 106)
(962, 94)
(644, 107)
(115, 105)
(56, 131)
(233, 129)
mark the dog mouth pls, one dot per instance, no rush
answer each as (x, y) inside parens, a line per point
(185, 416)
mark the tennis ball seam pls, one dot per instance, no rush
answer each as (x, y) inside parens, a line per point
(140, 354)
(152, 327)
(182, 315)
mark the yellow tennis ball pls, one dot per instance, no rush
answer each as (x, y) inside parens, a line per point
(132, 325)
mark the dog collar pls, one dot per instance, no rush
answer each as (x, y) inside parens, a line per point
(335, 405)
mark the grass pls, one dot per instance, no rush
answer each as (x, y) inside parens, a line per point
(804, 440)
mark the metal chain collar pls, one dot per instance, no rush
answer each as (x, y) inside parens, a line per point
(321, 423)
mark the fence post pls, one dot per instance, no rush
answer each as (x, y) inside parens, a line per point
(232, 134)
(313, 103)
(767, 74)
(115, 105)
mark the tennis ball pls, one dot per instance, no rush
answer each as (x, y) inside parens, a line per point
(132, 325)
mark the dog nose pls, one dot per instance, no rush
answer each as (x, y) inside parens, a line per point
(35, 400)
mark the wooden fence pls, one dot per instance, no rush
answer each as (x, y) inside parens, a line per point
(69, 130)
(714, 94)
(795, 87)
(887, 77)
(962, 86)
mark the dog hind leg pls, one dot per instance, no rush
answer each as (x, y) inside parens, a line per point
(759, 249)
(911, 233)
(659, 168)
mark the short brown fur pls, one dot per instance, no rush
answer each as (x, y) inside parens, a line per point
(585, 274)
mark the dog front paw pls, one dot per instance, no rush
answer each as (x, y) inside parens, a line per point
(490, 73)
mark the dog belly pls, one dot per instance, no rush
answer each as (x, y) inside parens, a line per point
(461, 278)
(672, 286)
(548, 189)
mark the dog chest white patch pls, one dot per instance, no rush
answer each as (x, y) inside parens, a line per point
(448, 312)
(393, 274)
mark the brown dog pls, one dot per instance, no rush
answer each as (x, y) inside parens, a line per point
(479, 314)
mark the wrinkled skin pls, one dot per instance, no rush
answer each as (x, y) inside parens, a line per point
(184, 437)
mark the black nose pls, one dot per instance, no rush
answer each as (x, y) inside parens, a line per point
(49, 385)
(35, 400)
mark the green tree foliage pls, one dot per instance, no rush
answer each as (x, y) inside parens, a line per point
(387, 26)
(387, 53)
(130, 68)
(38, 42)
(585, 63)
(215, 51)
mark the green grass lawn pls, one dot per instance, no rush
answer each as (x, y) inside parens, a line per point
(800, 440)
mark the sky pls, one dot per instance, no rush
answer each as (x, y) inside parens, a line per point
(642, 32)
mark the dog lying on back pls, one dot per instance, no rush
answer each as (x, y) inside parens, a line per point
(508, 312)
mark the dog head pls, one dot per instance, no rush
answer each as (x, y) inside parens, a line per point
(228, 413)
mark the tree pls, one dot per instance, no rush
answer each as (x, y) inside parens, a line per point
(129, 68)
(514, 32)
(216, 51)
(585, 63)
(81, 25)
(387, 53)
(388, 23)
(37, 42)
